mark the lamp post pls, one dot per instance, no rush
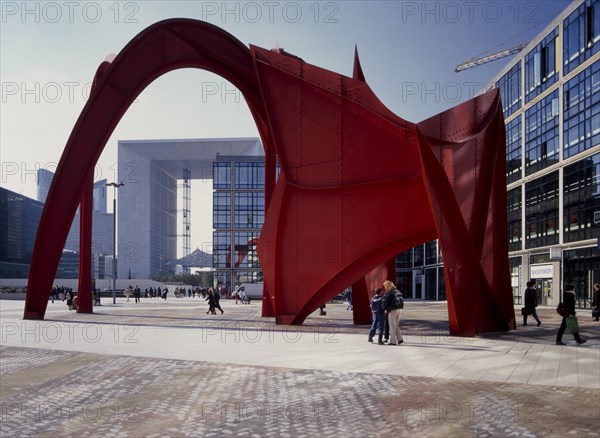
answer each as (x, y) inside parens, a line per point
(115, 186)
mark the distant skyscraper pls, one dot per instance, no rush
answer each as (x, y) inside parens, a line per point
(43, 181)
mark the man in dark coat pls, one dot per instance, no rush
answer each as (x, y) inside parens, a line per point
(569, 306)
(531, 303)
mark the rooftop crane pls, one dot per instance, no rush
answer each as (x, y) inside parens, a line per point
(479, 60)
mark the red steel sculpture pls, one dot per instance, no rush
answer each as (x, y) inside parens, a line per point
(358, 184)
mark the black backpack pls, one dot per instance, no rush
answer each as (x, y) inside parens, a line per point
(399, 301)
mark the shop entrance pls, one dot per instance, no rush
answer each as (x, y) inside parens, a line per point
(544, 291)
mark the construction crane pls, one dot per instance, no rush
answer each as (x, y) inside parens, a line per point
(479, 60)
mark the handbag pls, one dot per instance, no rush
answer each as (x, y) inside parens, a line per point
(595, 313)
(572, 324)
(561, 309)
(523, 311)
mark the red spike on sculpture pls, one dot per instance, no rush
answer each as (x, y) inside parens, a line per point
(358, 184)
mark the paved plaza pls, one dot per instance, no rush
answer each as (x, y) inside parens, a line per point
(168, 369)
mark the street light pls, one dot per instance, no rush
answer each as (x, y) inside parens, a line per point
(115, 186)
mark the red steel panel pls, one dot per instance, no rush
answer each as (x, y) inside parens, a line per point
(358, 184)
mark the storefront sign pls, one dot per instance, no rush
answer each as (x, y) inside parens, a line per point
(541, 271)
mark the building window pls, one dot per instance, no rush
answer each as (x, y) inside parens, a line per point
(581, 199)
(541, 134)
(245, 255)
(221, 175)
(541, 70)
(541, 211)
(249, 209)
(510, 90)
(221, 210)
(515, 278)
(405, 260)
(514, 219)
(221, 249)
(581, 114)
(418, 255)
(250, 176)
(581, 34)
(513, 150)
(431, 257)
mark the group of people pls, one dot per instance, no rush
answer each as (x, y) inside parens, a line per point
(566, 309)
(386, 315)
(213, 298)
(386, 312)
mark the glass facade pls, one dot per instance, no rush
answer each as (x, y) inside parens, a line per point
(222, 209)
(581, 34)
(582, 268)
(249, 209)
(238, 217)
(221, 249)
(250, 176)
(510, 90)
(514, 147)
(221, 175)
(541, 211)
(581, 199)
(541, 134)
(541, 69)
(245, 255)
(581, 111)
(515, 265)
(514, 219)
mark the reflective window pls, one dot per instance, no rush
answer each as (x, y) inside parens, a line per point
(221, 249)
(581, 34)
(541, 70)
(514, 219)
(581, 199)
(246, 255)
(510, 90)
(515, 277)
(250, 175)
(249, 209)
(513, 150)
(431, 253)
(581, 114)
(221, 210)
(541, 211)
(541, 134)
(405, 260)
(418, 255)
(221, 175)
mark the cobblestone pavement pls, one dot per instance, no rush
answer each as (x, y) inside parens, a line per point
(51, 393)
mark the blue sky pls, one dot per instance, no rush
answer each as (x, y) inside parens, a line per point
(49, 52)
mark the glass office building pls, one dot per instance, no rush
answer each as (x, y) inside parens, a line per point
(551, 100)
(238, 216)
(19, 220)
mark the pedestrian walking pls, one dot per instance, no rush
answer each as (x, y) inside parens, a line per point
(568, 306)
(596, 302)
(217, 298)
(378, 316)
(531, 303)
(392, 303)
(137, 293)
(210, 297)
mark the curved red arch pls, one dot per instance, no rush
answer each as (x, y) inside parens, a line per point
(358, 183)
(163, 47)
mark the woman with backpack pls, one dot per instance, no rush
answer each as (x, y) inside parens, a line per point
(391, 304)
